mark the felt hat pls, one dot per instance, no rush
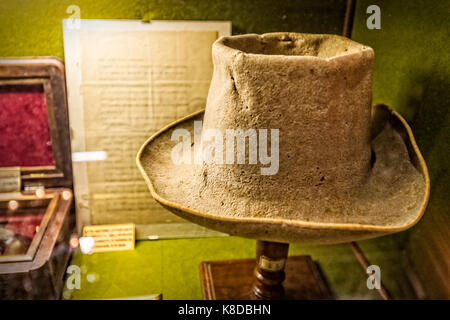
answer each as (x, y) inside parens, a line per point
(289, 148)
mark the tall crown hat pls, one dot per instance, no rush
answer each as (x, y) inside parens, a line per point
(316, 163)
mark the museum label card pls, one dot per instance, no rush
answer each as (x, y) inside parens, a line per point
(101, 238)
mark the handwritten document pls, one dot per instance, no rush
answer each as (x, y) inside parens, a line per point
(123, 86)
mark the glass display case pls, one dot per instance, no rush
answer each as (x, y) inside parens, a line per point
(35, 179)
(22, 224)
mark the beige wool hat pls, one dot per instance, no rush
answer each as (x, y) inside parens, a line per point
(340, 170)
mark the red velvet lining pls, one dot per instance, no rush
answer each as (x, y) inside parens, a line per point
(24, 132)
(24, 224)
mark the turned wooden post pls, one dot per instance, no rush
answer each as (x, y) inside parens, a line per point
(269, 271)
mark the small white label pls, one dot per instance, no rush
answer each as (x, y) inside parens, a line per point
(9, 179)
(271, 265)
(114, 237)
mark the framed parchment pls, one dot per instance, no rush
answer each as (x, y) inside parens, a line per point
(125, 80)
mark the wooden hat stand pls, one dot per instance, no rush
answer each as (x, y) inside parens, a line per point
(272, 275)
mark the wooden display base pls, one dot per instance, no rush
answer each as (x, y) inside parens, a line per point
(235, 280)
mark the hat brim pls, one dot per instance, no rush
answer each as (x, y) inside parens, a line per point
(165, 181)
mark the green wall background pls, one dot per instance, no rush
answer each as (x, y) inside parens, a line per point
(33, 27)
(171, 267)
(411, 75)
(412, 72)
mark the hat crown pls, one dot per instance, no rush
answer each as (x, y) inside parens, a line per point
(332, 185)
(315, 90)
